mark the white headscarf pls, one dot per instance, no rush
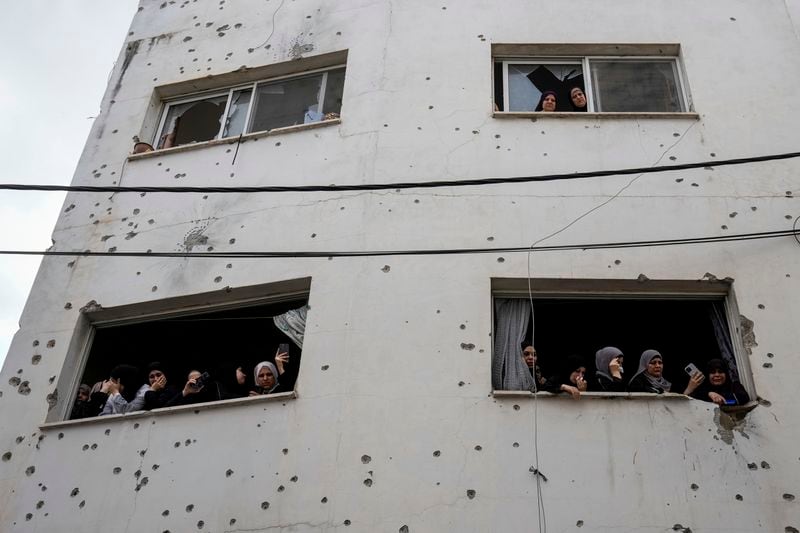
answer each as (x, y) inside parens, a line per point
(272, 369)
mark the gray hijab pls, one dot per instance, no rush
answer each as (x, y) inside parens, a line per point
(602, 358)
(272, 369)
(656, 383)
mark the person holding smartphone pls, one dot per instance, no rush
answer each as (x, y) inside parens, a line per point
(650, 376)
(267, 374)
(721, 388)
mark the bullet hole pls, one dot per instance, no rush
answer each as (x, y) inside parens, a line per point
(154, 288)
(767, 365)
(285, 451)
(368, 482)
(35, 359)
(85, 447)
(478, 447)
(366, 459)
(470, 494)
(733, 19)
(325, 367)
(137, 474)
(694, 486)
(232, 521)
(51, 343)
(30, 470)
(189, 508)
(60, 436)
(165, 512)
(347, 522)
(515, 445)
(94, 446)
(293, 479)
(752, 466)
(6, 457)
(155, 467)
(765, 465)
(281, 488)
(790, 529)
(460, 383)
(74, 492)
(228, 473)
(467, 346)
(403, 529)
(39, 504)
(217, 279)
(386, 268)
(579, 523)
(14, 381)
(117, 470)
(695, 185)
(19, 439)
(200, 524)
(324, 499)
(28, 517)
(788, 497)
(501, 259)
(437, 453)
(770, 355)
(788, 194)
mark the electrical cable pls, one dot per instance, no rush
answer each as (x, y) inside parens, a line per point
(404, 185)
(449, 251)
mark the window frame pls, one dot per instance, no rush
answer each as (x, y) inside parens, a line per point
(585, 60)
(617, 289)
(228, 91)
(90, 320)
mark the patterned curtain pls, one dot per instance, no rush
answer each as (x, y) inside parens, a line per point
(293, 324)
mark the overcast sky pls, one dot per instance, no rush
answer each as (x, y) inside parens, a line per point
(55, 59)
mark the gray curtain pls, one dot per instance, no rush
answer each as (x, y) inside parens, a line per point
(509, 371)
(293, 324)
(722, 333)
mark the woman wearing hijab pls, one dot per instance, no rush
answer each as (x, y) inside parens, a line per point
(547, 102)
(650, 376)
(721, 389)
(122, 391)
(571, 380)
(608, 362)
(199, 388)
(266, 375)
(160, 391)
(577, 98)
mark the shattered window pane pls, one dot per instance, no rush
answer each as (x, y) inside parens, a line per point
(636, 86)
(286, 103)
(527, 82)
(237, 114)
(191, 122)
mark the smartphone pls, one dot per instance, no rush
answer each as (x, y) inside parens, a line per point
(200, 382)
(730, 401)
(283, 347)
(691, 369)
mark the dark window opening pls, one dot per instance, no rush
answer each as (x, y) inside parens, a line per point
(216, 342)
(683, 331)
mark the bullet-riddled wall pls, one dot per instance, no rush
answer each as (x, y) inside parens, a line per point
(394, 426)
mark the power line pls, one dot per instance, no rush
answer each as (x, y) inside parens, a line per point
(403, 185)
(446, 251)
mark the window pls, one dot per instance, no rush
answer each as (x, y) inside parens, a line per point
(258, 106)
(687, 322)
(593, 82)
(208, 333)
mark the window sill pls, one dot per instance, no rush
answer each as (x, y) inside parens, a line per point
(282, 396)
(597, 395)
(539, 114)
(234, 140)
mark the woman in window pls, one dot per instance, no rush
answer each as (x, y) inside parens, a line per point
(547, 102)
(609, 369)
(570, 380)
(267, 375)
(160, 391)
(122, 391)
(199, 388)
(650, 376)
(577, 99)
(530, 356)
(721, 389)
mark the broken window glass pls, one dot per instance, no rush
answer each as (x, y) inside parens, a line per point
(287, 103)
(237, 113)
(527, 82)
(195, 121)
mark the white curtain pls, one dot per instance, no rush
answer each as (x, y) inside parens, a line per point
(509, 371)
(293, 324)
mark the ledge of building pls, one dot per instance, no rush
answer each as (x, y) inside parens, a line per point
(600, 395)
(234, 140)
(535, 115)
(279, 397)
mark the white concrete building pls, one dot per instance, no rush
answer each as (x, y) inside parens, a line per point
(393, 423)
